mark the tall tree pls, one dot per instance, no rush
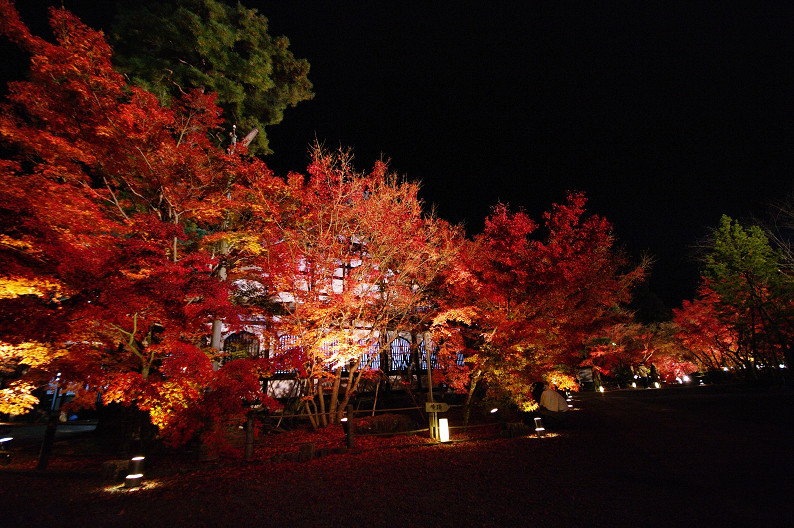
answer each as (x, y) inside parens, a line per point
(172, 47)
(752, 294)
(364, 258)
(536, 296)
(108, 198)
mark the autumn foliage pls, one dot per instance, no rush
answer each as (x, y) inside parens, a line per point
(742, 320)
(536, 294)
(107, 201)
(130, 245)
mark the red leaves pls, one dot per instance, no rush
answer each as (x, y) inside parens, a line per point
(105, 209)
(539, 295)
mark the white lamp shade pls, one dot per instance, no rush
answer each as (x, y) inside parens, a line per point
(443, 430)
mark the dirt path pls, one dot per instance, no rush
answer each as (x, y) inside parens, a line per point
(698, 456)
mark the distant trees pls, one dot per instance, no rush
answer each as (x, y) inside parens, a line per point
(172, 47)
(744, 315)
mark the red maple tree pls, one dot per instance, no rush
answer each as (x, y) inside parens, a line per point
(533, 295)
(109, 200)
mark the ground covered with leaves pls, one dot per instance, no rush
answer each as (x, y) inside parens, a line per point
(700, 455)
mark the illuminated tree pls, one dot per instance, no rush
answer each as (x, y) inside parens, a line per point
(108, 206)
(364, 261)
(752, 294)
(626, 346)
(535, 296)
(710, 339)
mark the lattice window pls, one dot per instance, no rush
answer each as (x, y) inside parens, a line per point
(285, 344)
(460, 360)
(241, 345)
(328, 349)
(370, 360)
(400, 353)
(433, 356)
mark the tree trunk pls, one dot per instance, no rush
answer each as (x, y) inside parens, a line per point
(217, 324)
(323, 421)
(249, 436)
(334, 404)
(469, 397)
(49, 440)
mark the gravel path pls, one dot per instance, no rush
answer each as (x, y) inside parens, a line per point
(698, 456)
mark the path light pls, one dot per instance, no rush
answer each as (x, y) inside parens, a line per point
(5, 456)
(539, 429)
(495, 409)
(443, 430)
(133, 481)
(135, 477)
(601, 388)
(136, 464)
(349, 428)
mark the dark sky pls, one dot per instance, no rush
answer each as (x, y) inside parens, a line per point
(667, 115)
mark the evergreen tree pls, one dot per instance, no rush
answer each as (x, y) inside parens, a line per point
(171, 47)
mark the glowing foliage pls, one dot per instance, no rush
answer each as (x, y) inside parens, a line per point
(107, 198)
(536, 296)
(743, 317)
(361, 260)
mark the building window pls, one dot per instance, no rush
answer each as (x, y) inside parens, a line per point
(433, 356)
(400, 352)
(289, 347)
(240, 346)
(370, 360)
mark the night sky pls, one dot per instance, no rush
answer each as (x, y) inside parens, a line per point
(666, 115)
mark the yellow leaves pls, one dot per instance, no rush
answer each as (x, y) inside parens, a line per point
(138, 274)
(463, 315)
(14, 243)
(529, 406)
(12, 287)
(17, 398)
(562, 381)
(27, 361)
(31, 353)
(171, 397)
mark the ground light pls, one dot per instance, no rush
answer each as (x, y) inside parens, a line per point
(443, 430)
(133, 481)
(135, 477)
(347, 427)
(5, 456)
(136, 464)
(539, 429)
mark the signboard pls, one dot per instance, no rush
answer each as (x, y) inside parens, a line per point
(436, 407)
